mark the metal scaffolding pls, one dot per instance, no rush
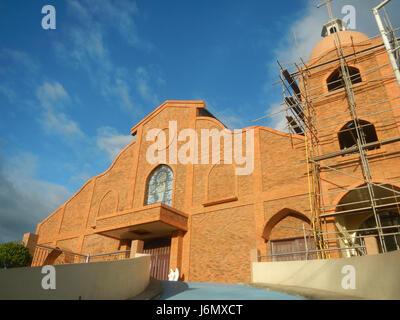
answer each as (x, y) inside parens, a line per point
(301, 104)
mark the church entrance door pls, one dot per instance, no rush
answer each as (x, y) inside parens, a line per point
(160, 251)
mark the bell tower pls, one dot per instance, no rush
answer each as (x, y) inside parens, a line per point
(345, 101)
(333, 26)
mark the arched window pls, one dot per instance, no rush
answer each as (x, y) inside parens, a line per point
(335, 80)
(159, 185)
(348, 134)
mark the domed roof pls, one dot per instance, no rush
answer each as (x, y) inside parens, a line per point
(328, 43)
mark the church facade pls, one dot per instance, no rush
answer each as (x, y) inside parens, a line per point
(206, 219)
(208, 216)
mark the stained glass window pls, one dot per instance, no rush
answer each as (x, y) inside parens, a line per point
(159, 186)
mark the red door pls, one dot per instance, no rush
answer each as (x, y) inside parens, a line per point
(159, 263)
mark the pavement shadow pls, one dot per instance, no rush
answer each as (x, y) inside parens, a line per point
(172, 288)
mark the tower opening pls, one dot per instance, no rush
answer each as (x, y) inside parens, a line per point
(333, 26)
(332, 30)
(335, 81)
(348, 134)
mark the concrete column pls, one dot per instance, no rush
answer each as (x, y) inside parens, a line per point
(371, 245)
(254, 253)
(136, 247)
(125, 245)
(30, 240)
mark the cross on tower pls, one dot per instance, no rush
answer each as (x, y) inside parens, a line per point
(327, 3)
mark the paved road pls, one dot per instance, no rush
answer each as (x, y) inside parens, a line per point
(177, 290)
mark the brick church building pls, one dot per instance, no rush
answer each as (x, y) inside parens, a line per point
(210, 222)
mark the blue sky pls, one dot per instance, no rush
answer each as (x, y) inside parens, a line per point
(69, 96)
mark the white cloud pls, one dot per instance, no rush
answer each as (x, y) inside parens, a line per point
(118, 15)
(21, 171)
(228, 116)
(16, 58)
(109, 140)
(52, 97)
(89, 50)
(17, 69)
(8, 92)
(59, 123)
(309, 25)
(230, 120)
(24, 199)
(142, 80)
(80, 178)
(89, 47)
(307, 28)
(119, 90)
(277, 121)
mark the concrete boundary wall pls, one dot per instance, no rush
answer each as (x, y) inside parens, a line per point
(119, 279)
(376, 276)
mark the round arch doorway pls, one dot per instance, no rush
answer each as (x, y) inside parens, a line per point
(357, 225)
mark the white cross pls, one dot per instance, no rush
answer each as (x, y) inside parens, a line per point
(327, 3)
(173, 275)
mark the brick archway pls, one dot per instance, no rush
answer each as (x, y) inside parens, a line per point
(287, 244)
(387, 199)
(282, 214)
